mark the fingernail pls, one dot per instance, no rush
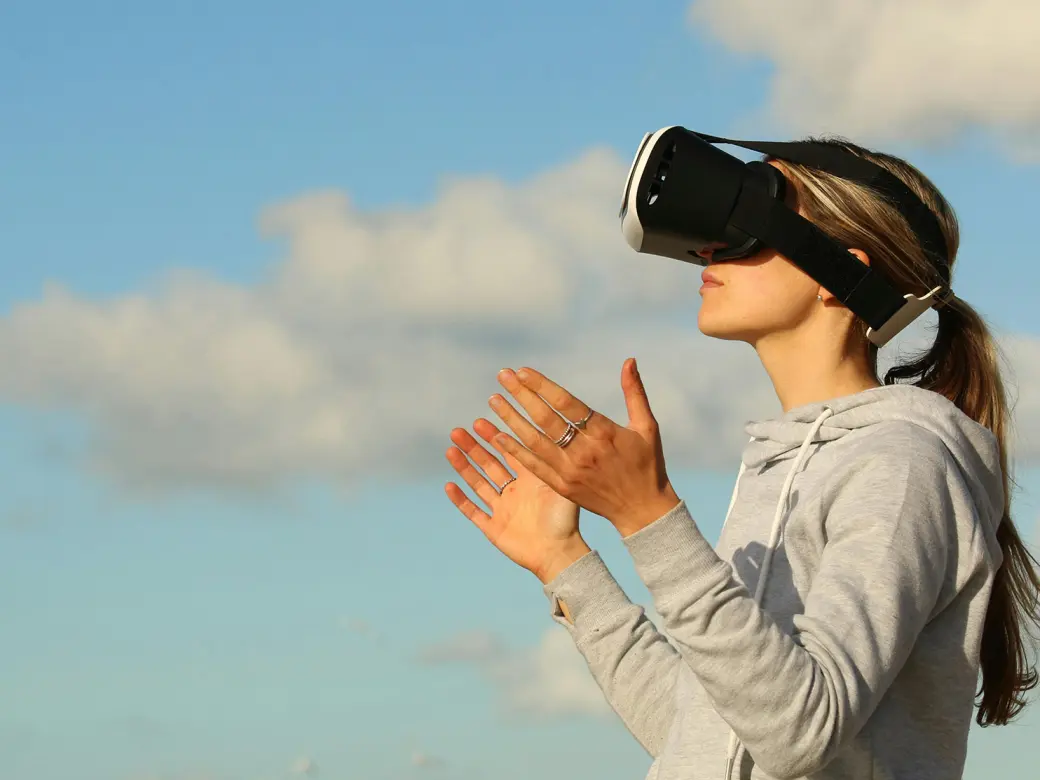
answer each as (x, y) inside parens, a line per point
(505, 373)
(522, 375)
(494, 400)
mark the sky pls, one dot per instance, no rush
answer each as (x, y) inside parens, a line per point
(259, 259)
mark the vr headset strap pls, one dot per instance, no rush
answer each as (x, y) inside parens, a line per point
(850, 166)
(865, 292)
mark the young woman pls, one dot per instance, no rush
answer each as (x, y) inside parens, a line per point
(868, 570)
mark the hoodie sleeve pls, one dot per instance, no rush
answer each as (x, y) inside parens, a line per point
(631, 661)
(796, 700)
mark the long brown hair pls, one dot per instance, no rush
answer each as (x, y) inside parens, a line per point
(962, 364)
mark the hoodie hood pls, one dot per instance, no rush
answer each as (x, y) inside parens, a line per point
(973, 446)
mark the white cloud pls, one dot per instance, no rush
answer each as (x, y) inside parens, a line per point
(379, 332)
(548, 679)
(923, 70)
(376, 335)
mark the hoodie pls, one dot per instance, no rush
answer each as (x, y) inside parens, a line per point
(833, 632)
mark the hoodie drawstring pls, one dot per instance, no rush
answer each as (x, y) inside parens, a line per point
(779, 519)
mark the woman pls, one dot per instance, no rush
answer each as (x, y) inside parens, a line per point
(868, 569)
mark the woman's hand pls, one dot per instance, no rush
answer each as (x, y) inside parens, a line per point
(530, 523)
(616, 472)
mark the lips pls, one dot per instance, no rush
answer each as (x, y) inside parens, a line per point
(710, 279)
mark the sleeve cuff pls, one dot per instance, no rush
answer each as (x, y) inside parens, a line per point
(590, 590)
(671, 551)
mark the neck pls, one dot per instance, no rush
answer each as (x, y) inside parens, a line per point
(807, 366)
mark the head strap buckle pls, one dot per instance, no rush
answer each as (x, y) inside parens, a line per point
(910, 311)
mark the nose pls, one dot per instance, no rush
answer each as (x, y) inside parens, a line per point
(709, 250)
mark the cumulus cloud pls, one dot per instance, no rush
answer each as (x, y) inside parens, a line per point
(380, 331)
(375, 335)
(549, 679)
(924, 70)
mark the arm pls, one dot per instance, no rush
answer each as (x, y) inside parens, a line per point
(795, 701)
(631, 661)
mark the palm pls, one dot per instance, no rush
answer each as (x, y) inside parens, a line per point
(529, 522)
(530, 515)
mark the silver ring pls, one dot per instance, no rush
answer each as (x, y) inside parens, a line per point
(580, 425)
(567, 437)
(511, 479)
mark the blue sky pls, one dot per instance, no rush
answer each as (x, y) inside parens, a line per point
(166, 617)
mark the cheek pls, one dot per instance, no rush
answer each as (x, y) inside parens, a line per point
(756, 301)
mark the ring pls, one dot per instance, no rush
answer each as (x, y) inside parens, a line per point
(568, 436)
(511, 479)
(572, 431)
(581, 423)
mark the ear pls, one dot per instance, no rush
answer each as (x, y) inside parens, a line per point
(862, 256)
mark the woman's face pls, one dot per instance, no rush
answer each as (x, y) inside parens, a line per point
(745, 300)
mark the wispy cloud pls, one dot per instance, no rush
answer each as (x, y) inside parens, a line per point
(427, 761)
(304, 766)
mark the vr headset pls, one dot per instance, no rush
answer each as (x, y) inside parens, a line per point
(683, 195)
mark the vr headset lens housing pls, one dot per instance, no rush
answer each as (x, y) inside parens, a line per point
(684, 195)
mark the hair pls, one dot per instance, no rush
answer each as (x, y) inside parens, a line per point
(962, 365)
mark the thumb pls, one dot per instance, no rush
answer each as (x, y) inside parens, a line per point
(640, 418)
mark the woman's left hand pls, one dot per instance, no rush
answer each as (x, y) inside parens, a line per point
(615, 472)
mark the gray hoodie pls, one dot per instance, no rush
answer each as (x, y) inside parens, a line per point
(834, 630)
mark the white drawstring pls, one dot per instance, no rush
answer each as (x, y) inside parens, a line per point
(774, 541)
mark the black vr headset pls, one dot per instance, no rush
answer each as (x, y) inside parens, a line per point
(683, 195)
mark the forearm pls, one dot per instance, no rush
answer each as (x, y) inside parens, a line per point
(631, 661)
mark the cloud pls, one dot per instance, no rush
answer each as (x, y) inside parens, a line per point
(375, 335)
(547, 680)
(926, 70)
(380, 331)
(426, 761)
(469, 647)
(363, 628)
(304, 766)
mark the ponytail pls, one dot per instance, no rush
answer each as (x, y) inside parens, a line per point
(963, 366)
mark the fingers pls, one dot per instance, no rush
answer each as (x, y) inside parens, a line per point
(532, 437)
(474, 513)
(489, 464)
(477, 481)
(487, 431)
(572, 408)
(509, 446)
(542, 413)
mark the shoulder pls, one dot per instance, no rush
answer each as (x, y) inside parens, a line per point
(895, 443)
(891, 463)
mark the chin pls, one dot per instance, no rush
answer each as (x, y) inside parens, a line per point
(718, 327)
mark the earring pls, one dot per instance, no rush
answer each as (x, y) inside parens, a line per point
(819, 297)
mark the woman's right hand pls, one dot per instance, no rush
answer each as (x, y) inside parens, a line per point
(530, 523)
